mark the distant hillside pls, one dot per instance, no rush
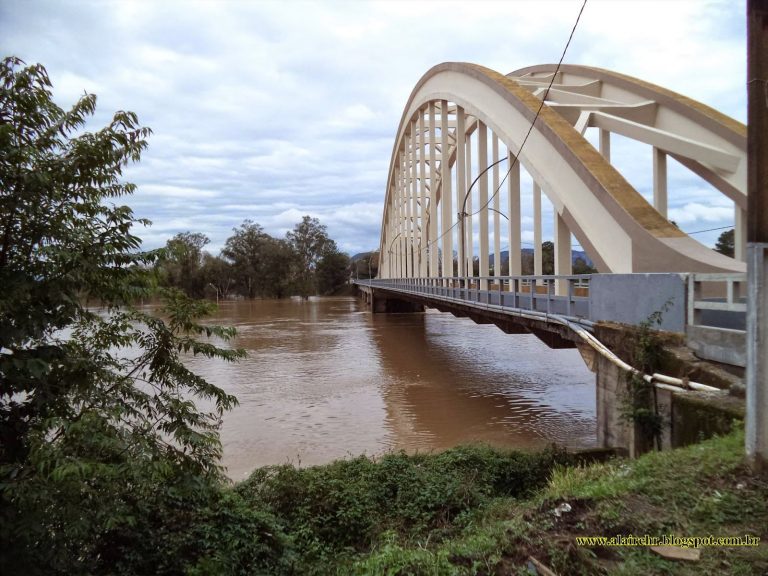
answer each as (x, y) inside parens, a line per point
(361, 255)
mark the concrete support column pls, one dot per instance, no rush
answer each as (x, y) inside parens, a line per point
(414, 239)
(537, 258)
(408, 205)
(482, 164)
(399, 230)
(740, 234)
(612, 429)
(605, 144)
(461, 187)
(563, 263)
(445, 197)
(432, 224)
(660, 181)
(423, 216)
(496, 207)
(403, 214)
(469, 242)
(513, 202)
(403, 240)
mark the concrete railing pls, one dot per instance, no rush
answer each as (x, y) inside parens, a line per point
(716, 318)
(717, 300)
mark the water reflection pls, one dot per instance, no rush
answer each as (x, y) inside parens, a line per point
(326, 379)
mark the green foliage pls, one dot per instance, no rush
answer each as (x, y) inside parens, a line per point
(332, 271)
(309, 240)
(102, 442)
(256, 265)
(724, 243)
(246, 250)
(181, 263)
(217, 275)
(347, 506)
(639, 401)
(548, 257)
(699, 490)
(580, 266)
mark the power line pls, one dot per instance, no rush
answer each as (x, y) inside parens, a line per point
(541, 105)
(530, 129)
(709, 230)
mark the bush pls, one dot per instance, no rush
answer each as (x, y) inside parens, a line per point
(345, 507)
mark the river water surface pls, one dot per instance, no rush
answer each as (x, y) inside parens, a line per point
(326, 379)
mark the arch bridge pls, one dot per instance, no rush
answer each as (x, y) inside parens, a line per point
(458, 110)
(453, 200)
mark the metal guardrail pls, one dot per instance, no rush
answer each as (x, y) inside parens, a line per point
(565, 295)
(712, 300)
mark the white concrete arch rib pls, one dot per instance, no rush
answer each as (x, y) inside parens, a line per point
(620, 230)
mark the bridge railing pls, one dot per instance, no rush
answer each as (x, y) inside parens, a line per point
(563, 295)
(716, 318)
(717, 300)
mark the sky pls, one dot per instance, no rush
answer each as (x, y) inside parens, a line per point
(270, 110)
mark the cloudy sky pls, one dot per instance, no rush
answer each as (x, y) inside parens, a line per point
(270, 110)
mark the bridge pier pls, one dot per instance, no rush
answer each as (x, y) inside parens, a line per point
(381, 304)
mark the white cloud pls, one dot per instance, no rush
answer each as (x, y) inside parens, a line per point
(700, 213)
(270, 110)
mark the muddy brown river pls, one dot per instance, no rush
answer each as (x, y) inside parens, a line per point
(326, 379)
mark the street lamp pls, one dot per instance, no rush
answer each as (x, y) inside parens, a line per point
(217, 292)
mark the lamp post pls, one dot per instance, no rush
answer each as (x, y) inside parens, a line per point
(217, 292)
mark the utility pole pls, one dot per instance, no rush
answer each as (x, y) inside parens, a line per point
(757, 234)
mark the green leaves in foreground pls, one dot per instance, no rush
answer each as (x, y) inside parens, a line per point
(101, 441)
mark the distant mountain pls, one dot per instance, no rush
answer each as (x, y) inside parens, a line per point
(361, 255)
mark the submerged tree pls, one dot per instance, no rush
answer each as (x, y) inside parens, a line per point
(245, 249)
(182, 262)
(332, 271)
(100, 439)
(309, 240)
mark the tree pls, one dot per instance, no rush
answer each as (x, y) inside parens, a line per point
(245, 250)
(98, 447)
(217, 274)
(182, 262)
(279, 266)
(580, 266)
(547, 257)
(724, 243)
(309, 240)
(332, 271)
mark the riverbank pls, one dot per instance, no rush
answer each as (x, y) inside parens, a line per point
(699, 491)
(475, 510)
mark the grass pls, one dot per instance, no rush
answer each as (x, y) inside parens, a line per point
(476, 510)
(701, 490)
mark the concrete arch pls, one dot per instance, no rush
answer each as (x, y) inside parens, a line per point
(618, 227)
